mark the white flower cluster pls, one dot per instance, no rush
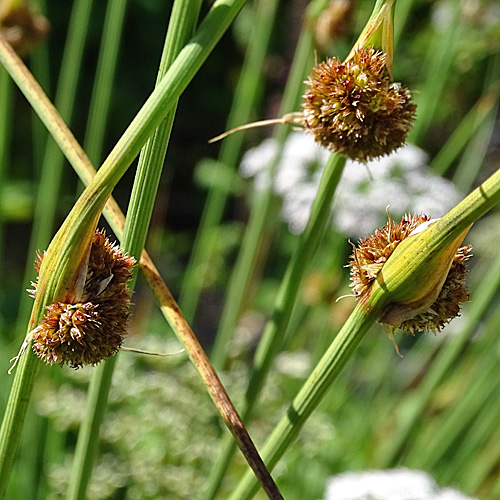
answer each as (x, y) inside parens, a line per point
(401, 180)
(395, 484)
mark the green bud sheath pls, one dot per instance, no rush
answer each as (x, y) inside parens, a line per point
(64, 266)
(378, 32)
(411, 279)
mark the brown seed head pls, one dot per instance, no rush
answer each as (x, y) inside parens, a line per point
(90, 331)
(373, 251)
(354, 108)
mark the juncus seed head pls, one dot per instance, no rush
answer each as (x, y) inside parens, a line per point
(354, 107)
(93, 329)
(431, 309)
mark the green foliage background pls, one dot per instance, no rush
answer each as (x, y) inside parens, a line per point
(162, 435)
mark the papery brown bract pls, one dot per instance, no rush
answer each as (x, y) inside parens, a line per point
(447, 305)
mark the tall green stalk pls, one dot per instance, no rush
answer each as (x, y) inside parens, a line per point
(246, 95)
(402, 276)
(40, 68)
(440, 57)
(5, 136)
(476, 151)
(105, 74)
(61, 253)
(53, 161)
(470, 124)
(259, 217)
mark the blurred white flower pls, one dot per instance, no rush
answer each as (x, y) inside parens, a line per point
(294, 364)
(401, 180)
(396, 484)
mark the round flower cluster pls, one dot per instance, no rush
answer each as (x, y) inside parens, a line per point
(354, 107)
(93, 329)
(372, 253)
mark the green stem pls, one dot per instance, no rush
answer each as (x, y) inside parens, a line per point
(274, 333)
(245, 98)
(440, 58)
(88, 435)
(259, 217)
(463, 133)
(17, 405)
(88, 207)
(182, 22)
(473, 157)
(5, 137)
(40, 67)
(309, 396)
(105, 73)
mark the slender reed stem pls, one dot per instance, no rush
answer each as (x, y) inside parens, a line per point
(463, 133)
(439, 60)
(476, 151)
(5, 116)
(438, 236)
(246, 95)
(40, 66)
(259, 218)
(105, 73)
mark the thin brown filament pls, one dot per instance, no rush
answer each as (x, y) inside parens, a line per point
(295, 118)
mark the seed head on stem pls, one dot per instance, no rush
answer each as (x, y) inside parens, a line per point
(86, 332)
(427, 307)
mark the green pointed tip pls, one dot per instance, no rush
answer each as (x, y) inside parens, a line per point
(378, 32)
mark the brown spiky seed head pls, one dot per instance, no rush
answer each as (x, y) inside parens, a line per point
(90, 331)
(354, 107)
(373, 251)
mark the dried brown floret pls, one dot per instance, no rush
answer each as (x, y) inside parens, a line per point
(373, 251)
(354, 107)
(90, 331)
